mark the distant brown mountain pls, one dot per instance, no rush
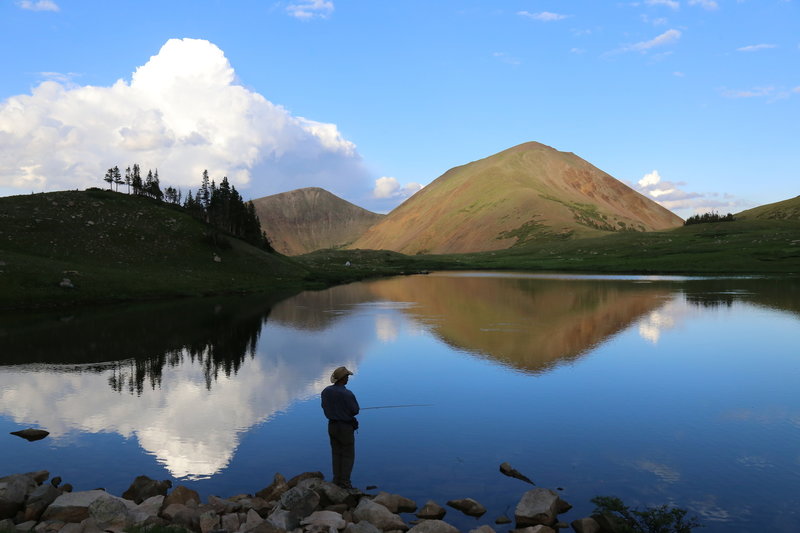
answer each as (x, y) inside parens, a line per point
(304, 220)
(528, 192)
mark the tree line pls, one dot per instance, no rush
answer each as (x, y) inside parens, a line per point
(706, 218)
(221, 206)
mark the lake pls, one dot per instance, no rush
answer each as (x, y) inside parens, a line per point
(658, 390)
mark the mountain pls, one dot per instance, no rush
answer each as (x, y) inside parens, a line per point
(784, 210)
(526, 193)
(304, 220)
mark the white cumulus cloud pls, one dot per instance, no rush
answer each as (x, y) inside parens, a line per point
(544, 16)
(756, 47)
(181, 112)
(387, 187)
(668, 37)
(710, 5)
(672, 4)
(673, 196)
(40, 5)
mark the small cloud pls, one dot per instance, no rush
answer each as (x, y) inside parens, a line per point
(544, 16)
(308, 9)
(756, 47)
(387, 187)
(505, 58)
(666, 38)
(755, 92)
(39, 5)
(672, 195)
(672, 4)
(60, 77)
(577, 50)
(678, 74)
(709, 5)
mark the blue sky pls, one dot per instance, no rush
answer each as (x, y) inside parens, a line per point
(693, 102)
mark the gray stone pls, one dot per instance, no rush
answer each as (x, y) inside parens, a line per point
(361, 527)
(151, 506)
(183, 515)
(283, 519)
(6, 524)
(90, 526)
(275, 489)
(25, 526)
(539, 506)
(325, 518)
(610, 523)
(378, 515)
(433, 526)
(508, 470)
(253, 519)
(585, 525)
(329, 493)
(230, 522)
(320, 528)
(73, 506)
(395, 503)
(38, 500)
(49, 526)
(305, 475)
(143, 488)
(482, 529)
(209, 521)
(66, 283)
(39, 477)
(171, 510)
(266, 527)
(502, 519)
(13, 491)
(72, 528)
(431, 511)
(468, 506)
(182, 495)
(300, 501)
(110, 512)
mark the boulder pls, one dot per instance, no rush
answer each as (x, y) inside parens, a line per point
(585, 525)
(541, 528)
(49, 526)
(73, 506)
(433, 526)
(13, 491)
(182, 515)
(361, 527)
(38, 500)
(151, 506)
(265, 527)
(110, 513)
(328, 519)
(329, 493)
(378, 515)
(610, 523)
(305, 475)
(230, 522)
(468, 506)
(275, 489)
(502, 519)
(283, 519)
(39, 477)
(431, 511)
(508, 470)
(143, 488)
(222, 506)
(72, 528)
(253, 519)
(31, 434)
(182, 495)
(482, 529)
(6, 524)
(395, 503)
(539, 506)
(300, 501)
(209, 521)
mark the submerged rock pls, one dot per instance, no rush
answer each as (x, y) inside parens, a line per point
(468, 506)
(508, 470)
(378, 515)
(31, 434)
(395, 503)
(143, 488)
(431, 511)
(539, 506)
(433, 526)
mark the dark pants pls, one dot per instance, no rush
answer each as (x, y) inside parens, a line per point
(343, 450)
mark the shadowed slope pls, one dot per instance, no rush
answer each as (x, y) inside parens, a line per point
(784, 210)
(526, 193)
(304, 220)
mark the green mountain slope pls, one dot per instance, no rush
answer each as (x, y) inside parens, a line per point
(112, 246)
(530, 192)
(304, 220)
(784, 210)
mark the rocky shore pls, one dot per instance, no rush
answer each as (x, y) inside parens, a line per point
(303, 504)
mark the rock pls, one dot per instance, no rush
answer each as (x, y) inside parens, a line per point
(305, 475)
(13, 491)
(253, 519)
(433, 526)
(31, 434)
(209, 521)
(6, 524)
(378, 515)
(110, 513)
(65, 283)
(143, 488)
(283, 519)
(217, 259)
(73, 506)
(56, 481)
(182, 515)
(361, 527)
(72, 528)
(431, 511)
(230, 522)
(610, 523)
(502, 519)
(482, 529)
(25, 526)
(90, 526)
(39, 477)
(395, 503)
(539, 506)
(151, 506)
(468, 506)
(265, 527)
(585, 525)
(38, 500)
(329, 493)
(182, 495)
(222, 506)
(325, 518)
(300, 501)
(536, 529)
(508, 470)
(275, 489)
(66, 487)
(48, 526)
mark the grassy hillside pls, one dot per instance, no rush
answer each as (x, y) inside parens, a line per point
(525, 194)
(112, 246)
(309, 219)
(785, 210)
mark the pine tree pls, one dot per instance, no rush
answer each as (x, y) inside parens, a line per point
(128, 178)
(109, 177)
(117, 177)
(136, 180)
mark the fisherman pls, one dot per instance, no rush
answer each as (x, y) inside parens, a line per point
(341, 407)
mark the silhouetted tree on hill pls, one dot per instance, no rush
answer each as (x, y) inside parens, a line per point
(706, 218)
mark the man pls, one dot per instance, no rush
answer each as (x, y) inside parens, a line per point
(340, 407)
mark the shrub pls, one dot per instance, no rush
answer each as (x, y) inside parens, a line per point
(660, 519)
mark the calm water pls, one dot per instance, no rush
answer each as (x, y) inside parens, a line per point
(654, 389)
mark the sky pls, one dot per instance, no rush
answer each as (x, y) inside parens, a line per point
(695, 103)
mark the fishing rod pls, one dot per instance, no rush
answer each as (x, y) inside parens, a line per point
(398, 406)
